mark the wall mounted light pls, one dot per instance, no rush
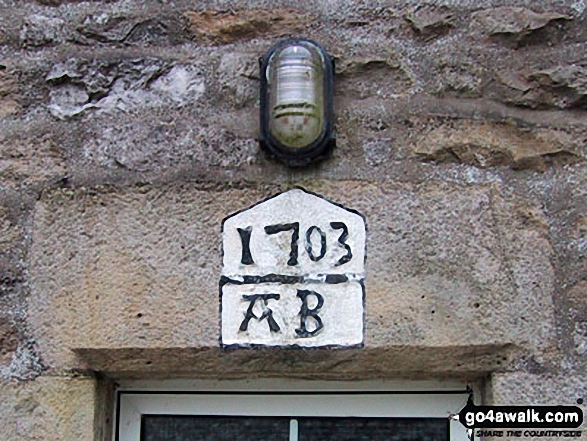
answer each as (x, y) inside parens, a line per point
(296, 102)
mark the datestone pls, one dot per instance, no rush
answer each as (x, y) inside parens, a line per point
(293, 271)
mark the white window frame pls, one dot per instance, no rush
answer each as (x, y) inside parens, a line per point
(288, 398)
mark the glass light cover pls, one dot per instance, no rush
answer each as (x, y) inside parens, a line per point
(295, 77)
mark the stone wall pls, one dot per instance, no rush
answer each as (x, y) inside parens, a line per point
(128, 132)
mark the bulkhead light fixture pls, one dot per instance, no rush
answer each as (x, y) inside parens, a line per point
(296, 102)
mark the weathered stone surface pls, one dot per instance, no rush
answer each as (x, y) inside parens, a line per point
(146, 147)
(18, 359)
(8, 92)
(49, 408)
(61, 2)
(458, 76)
(225, 27)
(22, 363)
(577, 300)
(118, 28)
(572, 322)
(515, 22)
(238, 76)
(566, 201)
(563, 86)
(514, 81)
(363, 63)
(429, 21)
(372, 72)
(29, 158)
(325, 364)
(377, 151)
(10, 231)
(9, 339)
(127, 86)
(14, 212)
(520, 388)
(487, 145)
(42, 30)
(564, 198)
(135, 271)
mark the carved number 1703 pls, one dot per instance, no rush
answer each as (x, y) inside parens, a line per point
(294, 227)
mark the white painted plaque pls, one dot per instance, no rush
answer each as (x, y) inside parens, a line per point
(292, 274)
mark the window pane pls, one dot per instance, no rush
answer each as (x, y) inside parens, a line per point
(196, 428)
(204, 428)
(373, 429)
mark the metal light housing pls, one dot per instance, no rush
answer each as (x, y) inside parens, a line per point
(296, 102)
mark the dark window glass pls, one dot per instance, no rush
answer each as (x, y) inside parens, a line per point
(228, 428)
(204, 428)
(373, 429)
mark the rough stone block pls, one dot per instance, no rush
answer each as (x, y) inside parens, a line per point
(48, 409)
(42, 30)
(557, 85)
(128, 280)
(115, 86)
(563, 86)
(9, 337)
(29, 158)
(486, 145)
(430, 22)
(519, 388)
(8, 92)
(515, 22)
(229, 26)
